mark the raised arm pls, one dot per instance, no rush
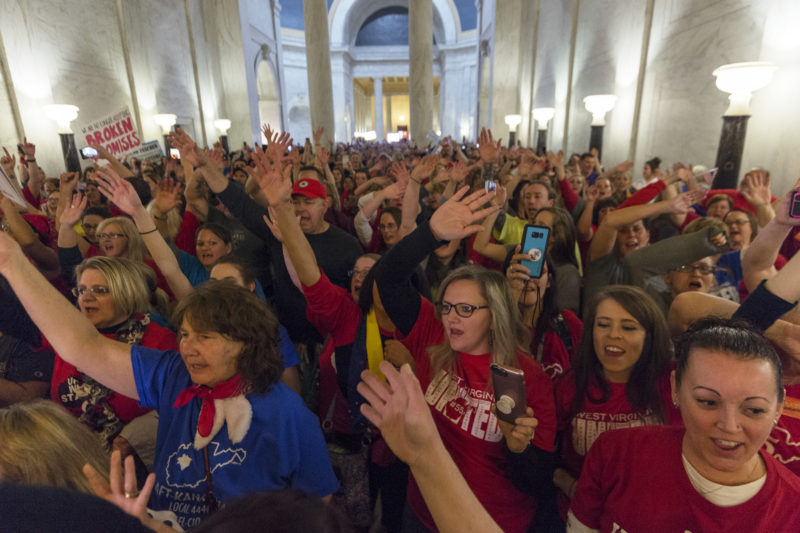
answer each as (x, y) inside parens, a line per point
(481, 243)
(603, 241)
(42, 256)
(455, 219)
(276, 184)
(75, 339)
(756, 190)
(124, 196)
(399, 410)
(758, 258)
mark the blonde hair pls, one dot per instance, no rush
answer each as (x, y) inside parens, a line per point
(136, 249)
(508, 332)
(128, 281)
(42, 444)
(173, 216)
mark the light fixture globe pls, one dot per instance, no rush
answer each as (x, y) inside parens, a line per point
(741, 80)
(513, 121)
(598, 105)
(63, 114)
(223, 125)
(166, 121)
(542, 115)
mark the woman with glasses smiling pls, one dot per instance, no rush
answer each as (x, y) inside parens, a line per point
(474, 323)
(115, 295)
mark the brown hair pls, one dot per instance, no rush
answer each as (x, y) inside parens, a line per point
(223, 307)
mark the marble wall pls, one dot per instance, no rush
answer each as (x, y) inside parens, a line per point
(66, 52)
(681, 108)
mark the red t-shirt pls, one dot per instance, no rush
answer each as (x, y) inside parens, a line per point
(556, 360)
(783, 442)
(634, 480)
(461, 404)
(75, 390)
(581, 430)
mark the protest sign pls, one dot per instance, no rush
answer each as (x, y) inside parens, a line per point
(150, 150)
(115, 132)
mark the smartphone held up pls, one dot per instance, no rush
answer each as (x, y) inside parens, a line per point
(509, 392)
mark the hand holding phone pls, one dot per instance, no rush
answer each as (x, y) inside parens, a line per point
(534, 245)
(87, 152)
(794, 204)
(509, 392)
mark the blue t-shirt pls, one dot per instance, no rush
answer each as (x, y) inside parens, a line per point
(284, 447)
(193, 269)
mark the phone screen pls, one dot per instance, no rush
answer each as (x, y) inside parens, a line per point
(174, 153)
(534, 244)
(87, 152)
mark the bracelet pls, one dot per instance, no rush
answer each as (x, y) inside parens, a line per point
(160, 218)
(148, 232)
(31, 160)
(418, 182)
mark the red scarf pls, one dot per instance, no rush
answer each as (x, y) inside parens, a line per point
(223, 389)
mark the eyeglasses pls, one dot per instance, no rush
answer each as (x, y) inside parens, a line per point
(382, 227)
(462, 310)
(110, 235)
(702, 269)
(359, 273)
(94, 291)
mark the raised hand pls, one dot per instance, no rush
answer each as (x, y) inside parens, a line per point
(399, 172)
(29, 149)
(118, 190)
(683, 202)
(9, 248)
(215, 156)
(784, 204)
(488, 148)
(458, 172)
(269, 220)
(458, 217)
(592, 193)
(67, 182)
(556, 162)
(121, 489)
(317, 134)
(8, 161)
(756, 187)
(625, 166)
(323, 156)
(168, 196)
(399, 410)
(425, 167)
(186, 146)
(274, 181)
(73, 210)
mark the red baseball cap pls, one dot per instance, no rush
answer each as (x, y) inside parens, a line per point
(310, 188)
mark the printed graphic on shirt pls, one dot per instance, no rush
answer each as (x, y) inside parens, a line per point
(781, 446)
(218, 458)
(586, 427)
(185, 490)
(86, 395)
(468, 408)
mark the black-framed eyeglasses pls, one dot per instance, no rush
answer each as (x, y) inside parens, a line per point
(702, 269)
(94, 291)
(462, 310)
(740, 222)
(110, 235)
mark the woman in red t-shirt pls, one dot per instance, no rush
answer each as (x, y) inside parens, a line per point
(474, 323)
(114, 294)
(619, 379)
(714, 475)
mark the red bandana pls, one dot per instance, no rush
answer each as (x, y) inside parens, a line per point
(223, 389)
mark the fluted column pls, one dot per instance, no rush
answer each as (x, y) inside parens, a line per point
(420, 60)
(318, 67)
(377, 84)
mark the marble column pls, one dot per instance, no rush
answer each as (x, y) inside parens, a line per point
(389, 113)
(377, 84)
(420, 60)
(318, 61)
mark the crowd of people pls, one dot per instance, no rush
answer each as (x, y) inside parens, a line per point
(306, 335)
